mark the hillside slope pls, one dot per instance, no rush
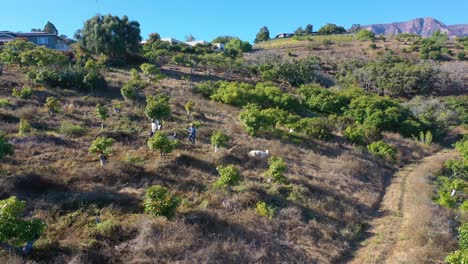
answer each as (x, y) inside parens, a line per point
(332, 191)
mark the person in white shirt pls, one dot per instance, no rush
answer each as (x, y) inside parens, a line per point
(155, 125)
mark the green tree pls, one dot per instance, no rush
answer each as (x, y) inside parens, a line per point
(160, 202)
(50, 28)
(24, 127)
(235, 47)
(43, 57)
(276, 169)
(229, 176)
(6, 149)
(103, 147)
(189, 106)
(158, 107)
(25, 93)
(218, 140)
(365, 35)
(153, 37)
(129, 91)
(330, 29)
(152, 72)
(159, 141)
(15, 231)
(110, 35)
(102, 113)
(10, 54)
(262, 35)
(52, 104)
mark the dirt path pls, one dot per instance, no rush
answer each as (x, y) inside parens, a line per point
(408, 228)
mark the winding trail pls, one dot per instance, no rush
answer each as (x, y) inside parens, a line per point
(405, 218)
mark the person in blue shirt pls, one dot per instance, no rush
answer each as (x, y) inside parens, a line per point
(192, 133)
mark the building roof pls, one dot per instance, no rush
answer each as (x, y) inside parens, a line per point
(30, 34)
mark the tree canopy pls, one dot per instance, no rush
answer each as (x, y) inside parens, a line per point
(110, 35)
(262, 35)
(50, 28)
(330, 29)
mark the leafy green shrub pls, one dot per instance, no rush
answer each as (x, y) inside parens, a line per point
(129, 91)
(189, 106)
(6, 149)
(101, 146)
(4, 102)
(24, 127)
(70, 129)
(276, 169)
(255, 120)
(355, 134)
(315, 128)
(460, 256)
(382, 150)
(158, 107)
(462, 146)
(152, 72)
(207, 88)
(52, 104)
(102, 113)
(13, 228)
(461, 55)
(108, 227)
(365, 35)
(265, 210)
(219, 139)
(159, 141)
(425, 138)
(160, 202)
(229, 176)
(323, 100)
(47, 77)
(25, 93)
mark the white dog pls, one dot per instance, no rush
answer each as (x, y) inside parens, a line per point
(259, 153)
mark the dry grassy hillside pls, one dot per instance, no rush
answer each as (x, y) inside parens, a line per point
(333, 188)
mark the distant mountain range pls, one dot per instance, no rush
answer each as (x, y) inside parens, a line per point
(421, 26)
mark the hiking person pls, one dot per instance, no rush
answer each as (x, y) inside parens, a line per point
(192, 133)
(155, 125)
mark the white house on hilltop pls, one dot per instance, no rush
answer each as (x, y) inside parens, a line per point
(173, 41)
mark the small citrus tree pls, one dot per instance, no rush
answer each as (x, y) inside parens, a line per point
(229, 176)
(382, 150)
(276, 170)
(160, 202)
(24, 127)
(189, 106)
(219, 139)
(52, 104)
(159, 141)
(103, 147)
(102, 113)
(17, 233)
(6, 149)
(25, 93)
(152, 72)
(158, 107)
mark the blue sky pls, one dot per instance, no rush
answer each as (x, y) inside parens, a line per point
(206, 19)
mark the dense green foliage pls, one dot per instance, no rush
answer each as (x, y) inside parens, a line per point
(101, 146)
(262, 35)
(276, 169)
(265, 210)
(365, 35)
(15, 230)
(219, 139)
(229, 176)
(159, 141)
(6, 149)
(160, 202)
(157, 107)
(25, 93)
(431, 48)
(304, 32)
(110, 35)
(330, 29)
(102, 113)
(388, 75)
(50, 28)
(152, 72)
(382, 150)
(255, 120)
(10, 54)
